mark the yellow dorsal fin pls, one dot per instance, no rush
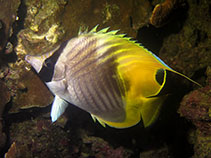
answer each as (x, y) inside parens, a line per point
(121, 35)
(82, 30)
(94, 30)
(104, 30)
(114, 32)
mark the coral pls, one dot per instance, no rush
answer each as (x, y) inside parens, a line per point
(41, 32)
(202, 146)
(162, 12)
(189, 47)
(100, 148)
(7, 17)
(25, 87)
(196, 107)
(39, 138)
(109, 11)
(12, 152)
(4, 99)
(127, 16)
(18, 151)
(4, 96)
(42, 26)
(140, 13)
(31, 92)
(159, 153)
(48, 23)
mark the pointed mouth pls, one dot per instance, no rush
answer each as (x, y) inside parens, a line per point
(34, 61)
(27, 58)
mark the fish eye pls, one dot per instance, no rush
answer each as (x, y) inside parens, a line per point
(48, 64)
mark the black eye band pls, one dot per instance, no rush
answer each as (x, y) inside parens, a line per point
(47, 70)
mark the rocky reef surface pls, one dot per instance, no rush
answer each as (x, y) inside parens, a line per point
(195, 106)
(178, 31)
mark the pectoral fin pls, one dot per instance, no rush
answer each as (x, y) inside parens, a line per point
(58, 107)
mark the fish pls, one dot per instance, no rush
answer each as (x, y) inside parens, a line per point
(109, 75)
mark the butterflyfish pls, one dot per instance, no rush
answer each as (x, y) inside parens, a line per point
(107, 74)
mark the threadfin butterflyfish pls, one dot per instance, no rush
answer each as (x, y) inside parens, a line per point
(109, 75)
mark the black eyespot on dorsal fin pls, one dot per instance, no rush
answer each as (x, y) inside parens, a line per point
(160, 76)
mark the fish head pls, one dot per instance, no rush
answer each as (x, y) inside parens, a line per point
(43, 64)
(38, 61)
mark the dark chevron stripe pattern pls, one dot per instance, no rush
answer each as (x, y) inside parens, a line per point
(94, 86)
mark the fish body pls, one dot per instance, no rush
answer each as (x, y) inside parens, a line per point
(106, 74)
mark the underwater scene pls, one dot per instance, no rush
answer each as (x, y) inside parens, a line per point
(105, 79)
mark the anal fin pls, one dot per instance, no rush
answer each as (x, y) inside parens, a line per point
(99, 120)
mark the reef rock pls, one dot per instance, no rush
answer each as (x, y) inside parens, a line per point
(37, 138)
(100, 148)
(187, 50)
(4, 99)
(163, 12)
(48, 23)
(31, 92)
(197, 108)
(8, 15)
(42, 26)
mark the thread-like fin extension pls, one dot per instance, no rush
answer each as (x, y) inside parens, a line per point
(58, 108)
(80, 31)
(186, 77)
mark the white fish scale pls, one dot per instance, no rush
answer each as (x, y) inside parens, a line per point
(73, 43)
(80, 95)
(85, 56)
(92, 85)
(95, 103)
(80, 48)
(116, 100)
(102, 92)
(109, 105)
